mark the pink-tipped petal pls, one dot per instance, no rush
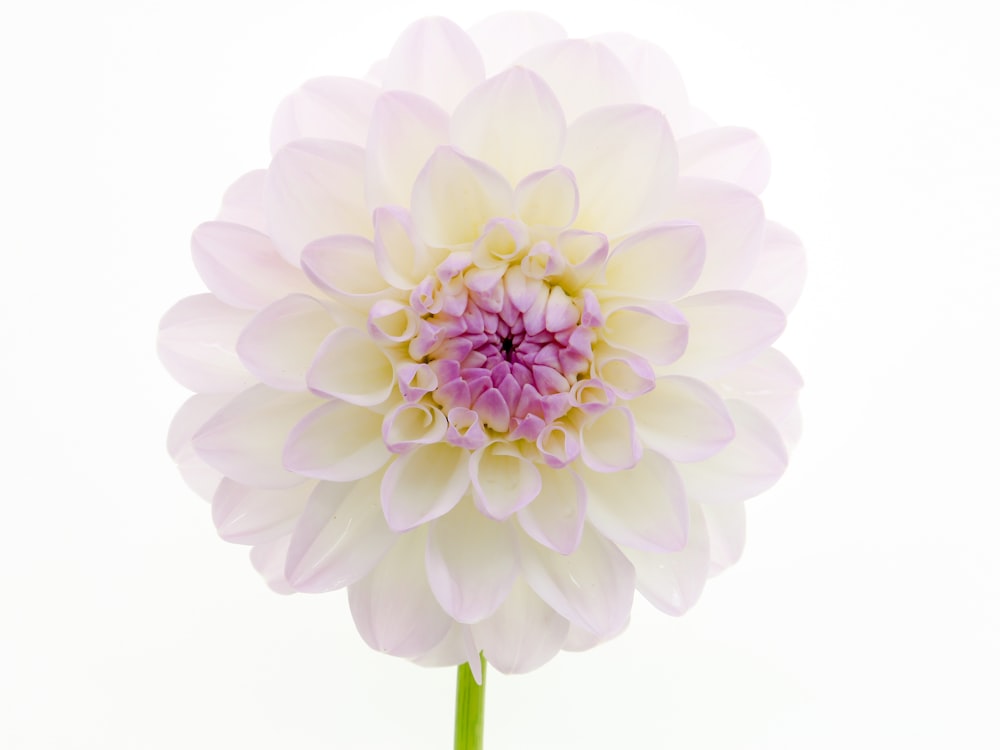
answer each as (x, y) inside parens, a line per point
(730, 154)
(243, 202)
(555, 518)
(661, 263)
(251, 515)
(268, 559)
(424, 484)
(726, 524)
(548, 198)
(332, 108)
(780, 271)
(320, 447)
(608, 442)
(352, 367)
(683, 418)
(344, 267)
(503, 481)
(193, 413)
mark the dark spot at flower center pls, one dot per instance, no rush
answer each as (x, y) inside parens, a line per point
(507, 348)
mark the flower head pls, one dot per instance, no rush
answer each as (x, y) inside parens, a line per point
(489, 343)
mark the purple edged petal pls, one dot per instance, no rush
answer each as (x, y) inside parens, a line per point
(331, 108)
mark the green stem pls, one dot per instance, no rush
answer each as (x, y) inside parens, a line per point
(470, 707)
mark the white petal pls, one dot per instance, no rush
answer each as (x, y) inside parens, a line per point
(243, 202)
(315, 189)
(279, 344)
(768, 382)
(400, 254)
(726, 524)
(340, 537)
(566, 64)
(608, 441)
(780, 270)
(660, 263)
(655, 332)
(643, 507)
(673, 581)
(244, 439)
(725, 330)
(548, 199)
(511, 121)
(268, 559)
(393, 607)
(339, 442)
(405, 130)
(503, 481)
(412, 424)
(504, 37)
(683, 419)
(592, 587)
(733, 222)
(655, 75)
(522, 634)
(471, 562)
(424, 484)
(555, 518)
(754, 460)
(344, 266)
(197, 345)
(625, 162)
(454, 197)
(352, 367)
(434, 58)
(193, 413)
(730, 154)
(251, 515)
(332, 108)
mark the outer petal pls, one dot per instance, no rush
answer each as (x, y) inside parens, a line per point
(726, 524)
(352, 367)
(725, 330)
(454, 196)
(339, 442)
(522, 634)
(332, 108)
(750, 464)
(555, 518)
(243, 202)
(566, 63)
(436, 59)
(314, 189)
(279, 344)
(340, 537)
(592, 587)
(608, 442)
(268, 559)
(251, 515)
(504, 37)
(625, 162)
(673, 581)
(730, 154)
(405, 130)
(471, 562)
(197, 344)
(511, 121)
(424, 484)
(643, 507)
(768, 382)
(503, 481)
(393, 606)
(244, 439)
(194, 412)
(683, 419)
(780, 271)
(733, 222)
(660, 263)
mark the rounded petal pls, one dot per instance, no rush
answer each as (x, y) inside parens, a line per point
(592, 587)
(197, 345)
(344, 266)
(548, 198)
(730, 154)
(780, 271)
(424, 484)
(503, 481)
(522, 634)
(726, 525)
(252, 515)
(511, 121)
(393, 607)
(564, 64)
(654, 332)
(555, 518)
(733, 222)
(683, 419)
(471, 562)
(243, 202)
(608, 442)
(504, 37)
(405, 130)
(768, 382)
(268, 559)
(332, 108)
(644, 507)
(315, 189)
(660, 263)
(455, 196)
(400, 255)
(194, 412)
(752, 462)
(625, 162)
(352, 367)
(725, 330)
(339, 442)
(673, 581)
(340, 536)
(279, 344)
(436, 59)
(413, 424)
(244, 439)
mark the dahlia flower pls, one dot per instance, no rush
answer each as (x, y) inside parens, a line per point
(488, 344)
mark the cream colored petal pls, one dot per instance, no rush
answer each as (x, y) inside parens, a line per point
(656, 332)
(660, 263)
(555, 518)
(503, 481)
(608, 442)
(251, 515)
(339, 442)
(350, 366)
(332, 108)
(424, 484)
(547, 199)
(682, 418)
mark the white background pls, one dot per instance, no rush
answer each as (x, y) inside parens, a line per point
(866, 611)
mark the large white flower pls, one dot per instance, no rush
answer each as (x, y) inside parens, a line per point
(489, 343)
